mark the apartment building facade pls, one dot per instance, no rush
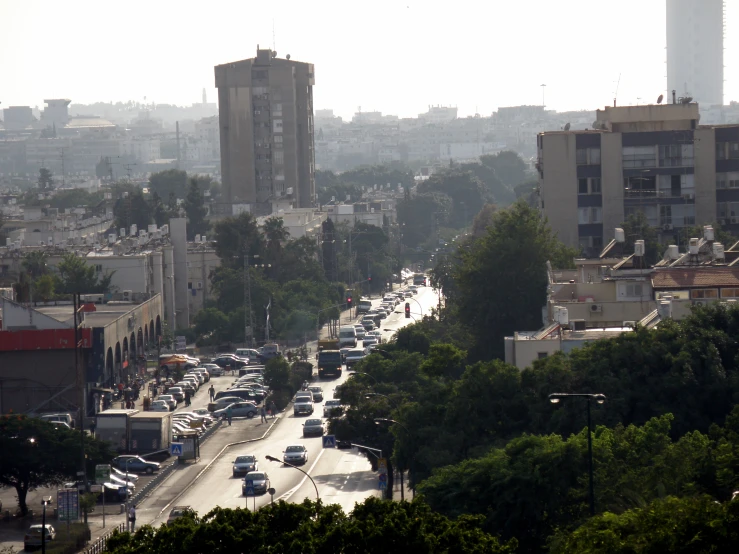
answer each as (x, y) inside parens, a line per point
(654, 159)
(266, 130)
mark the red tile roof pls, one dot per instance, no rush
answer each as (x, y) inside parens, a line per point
(695, 277)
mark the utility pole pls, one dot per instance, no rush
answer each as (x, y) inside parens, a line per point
(80, 373)
(248, 316)
(62, 157)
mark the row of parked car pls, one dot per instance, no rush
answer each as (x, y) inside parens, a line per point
(244, 396)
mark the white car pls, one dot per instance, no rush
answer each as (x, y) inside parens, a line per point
(159, 406)
(329, 406)
(296, 454)
(169, 399)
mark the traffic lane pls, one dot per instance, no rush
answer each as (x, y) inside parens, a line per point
(342, 477)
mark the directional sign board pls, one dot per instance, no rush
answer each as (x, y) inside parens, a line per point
(381, 465)
(175, 449)
(249, 487)
(67, 503)
(102, 473)
(329, 441)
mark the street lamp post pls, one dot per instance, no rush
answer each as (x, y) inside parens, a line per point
(128, 521)
(555, 398)
(45, 501)
(378, 421)
(318, 498)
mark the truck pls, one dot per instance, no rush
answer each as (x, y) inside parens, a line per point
(150, 432)
(114, 426)
(328, 344)
(329, 363)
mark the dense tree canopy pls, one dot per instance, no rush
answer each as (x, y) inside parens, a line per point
(170, 181)
(195, 211)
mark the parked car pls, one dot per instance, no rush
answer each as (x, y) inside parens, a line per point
(197, 375)
(206, 417)
(259, 483)
(244, 464)
(169, 399)
(160, 406)
(243, 394)
(66, 418)
(34, 536)
(295, 454)
(178, 392)
(132, 477)
(238, 409)
(227, 361)
(317, 393)
(313, 427)
(177, 512)
(223, 402)
(214, 369)
(137, 464)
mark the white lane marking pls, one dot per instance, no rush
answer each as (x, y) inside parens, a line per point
(292, 491)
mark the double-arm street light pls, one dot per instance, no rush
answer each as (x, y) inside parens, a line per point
(318, 498)
(381, 420)
(555, 398)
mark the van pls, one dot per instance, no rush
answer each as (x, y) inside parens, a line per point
(364, 305)
(347, 336)
(59, 417)
(249, 353)
(270, 351)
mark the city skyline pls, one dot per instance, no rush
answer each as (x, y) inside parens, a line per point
(406, 55)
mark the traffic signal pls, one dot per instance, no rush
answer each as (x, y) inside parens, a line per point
(349, 302)
(407, 309)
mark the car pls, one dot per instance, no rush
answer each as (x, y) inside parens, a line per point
(203, 412)
(244, 464)
(131, 477)
(223, 402)
(332, 408)
(137, 464)
(305, 393)
(60, 424)
(226, 361)
(120, 481)
(169, 399)
(191, 421)
(355, 355)
(360, 331)
(368, 323)
(303, 406)
(382, 314)
(295, 454)
(180, 426)
(194, 380)
(317, 393)
(413, 289)
(313, 427)
(238, 409)
(206, 417)
(400, 295)
(407, 294)
(66, 418)
(160, 406)
(197, 375)
(344, 352)
(35, 536)
(213, 369)
(377, 334)
(177, 512)
(247, 395)
(259, 483)
(177, 392)
(186, 386)
(369, 340)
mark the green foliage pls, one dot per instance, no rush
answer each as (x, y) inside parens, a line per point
(171, 181)
(74, 198)
(637, 227)
(483, 219)
(213, 324)
(508, 166)
(36, 263)
(373, 526)
(34, 453)
(132, 208)
(421, 215)
(195, 211)
(497, 191)
(676, 525)
(466, 191)
(45, 179)
(236, 236)
(44, 288)
(158, 210)
(76, 276)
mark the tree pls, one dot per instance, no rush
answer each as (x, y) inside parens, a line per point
(508, 166)
(497, 191)
(74, 198)
(45, 179)
(466, 191)
(159, 210)
(421, 216)
(170, 181)
(637, 227)
(34, 453)
(483, 219)
(196, 211)
(43, 287)
(132, 208)
(36, 263)
(211, 323)
(509, 262)
(76, 276)
(236, 236)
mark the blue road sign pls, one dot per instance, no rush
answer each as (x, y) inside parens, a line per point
(175, 449)
(249, 487)
(383, 477)
(382, 485)
(329, 441)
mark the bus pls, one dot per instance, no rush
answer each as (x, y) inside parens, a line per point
(365, 305)
(419, 279)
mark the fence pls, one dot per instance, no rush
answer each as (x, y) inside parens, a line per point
(98, 547)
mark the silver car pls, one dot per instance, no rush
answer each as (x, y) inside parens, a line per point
(296, 454)
(313, 427)
(244, 464)
(259, 483)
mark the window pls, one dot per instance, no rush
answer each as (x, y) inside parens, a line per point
(277, 126)
(729, 293)
(582, 186)
(588, 186)
(634, 289)
(704, 293)
(721, 180)
(541, 355)
(732, 180)
(587, 156)
(638, 156)
(665, 215)
(590, 215)
(99, 268)
(675, 155)
(595, 185)
(720, 150)
(277, 109)
(279, 157)
(278, 139)
(734, 150)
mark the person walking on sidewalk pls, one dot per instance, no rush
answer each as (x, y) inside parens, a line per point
(263, 411)
(273, 408)
(212, 393)
(229, 414)
(132, 517)
(187, 398)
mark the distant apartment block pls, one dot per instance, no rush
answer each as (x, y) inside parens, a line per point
(266, 130)
(651, 158)
(695, 49)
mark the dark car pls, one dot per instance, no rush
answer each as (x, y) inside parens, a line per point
(317, 393)
(227, 362)
(313, 427)
(135, 464)
(244, 394)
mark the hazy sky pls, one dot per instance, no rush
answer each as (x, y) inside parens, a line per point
(397, 57)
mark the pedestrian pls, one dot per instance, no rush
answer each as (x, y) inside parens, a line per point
(132, 517)
(263, 411)
(212, 393)
(187, 398)
(273, 408)
(229, 414)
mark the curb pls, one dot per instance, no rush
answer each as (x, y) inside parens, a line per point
(214, 460)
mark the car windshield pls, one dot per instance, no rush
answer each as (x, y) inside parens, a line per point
(245, 460)
(294, 449)
(313, 422)
(356, 353)
(255, 477)
(346, 334)
(315, 389)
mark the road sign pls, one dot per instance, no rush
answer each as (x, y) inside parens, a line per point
(175, 449)
(383, 477)
(329, 441)
(382, 485)
(249, 487)
(102, 473)
(381, 465)
(96, 488)
(67, 504)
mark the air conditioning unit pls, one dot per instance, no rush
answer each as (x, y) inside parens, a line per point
(667, 227)
(596, 308)
(200, 284)
(127, 295)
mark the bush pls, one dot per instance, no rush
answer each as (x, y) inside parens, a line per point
(76, 541)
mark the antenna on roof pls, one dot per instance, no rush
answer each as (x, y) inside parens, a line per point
(567, 127)
(274, 47)
(659, 99)
(615, 94)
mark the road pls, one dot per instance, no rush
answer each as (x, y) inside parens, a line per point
(342, 476)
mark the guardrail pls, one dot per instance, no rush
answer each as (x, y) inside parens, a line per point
(99, 546)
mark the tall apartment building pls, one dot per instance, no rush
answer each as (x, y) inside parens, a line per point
(695, 49)
(651, 158)
(266, 128)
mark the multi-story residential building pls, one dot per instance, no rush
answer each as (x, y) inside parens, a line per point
(654, 159)
(695, 49)
(208, 136)
(143, 149)
(266, 128)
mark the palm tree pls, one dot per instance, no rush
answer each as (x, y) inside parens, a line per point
(34, 263)
(275, 233)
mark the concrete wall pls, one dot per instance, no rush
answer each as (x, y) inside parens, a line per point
(611, 167)
(178, 236)
(704, 151)
(559, 185)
